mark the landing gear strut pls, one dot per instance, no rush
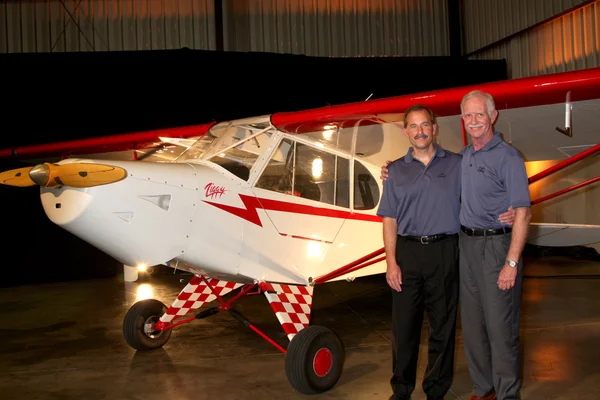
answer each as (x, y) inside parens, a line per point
(314, 358)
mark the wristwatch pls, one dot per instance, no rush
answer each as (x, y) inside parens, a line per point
(511, 263)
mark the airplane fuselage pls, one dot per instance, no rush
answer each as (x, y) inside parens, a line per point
(199, 217)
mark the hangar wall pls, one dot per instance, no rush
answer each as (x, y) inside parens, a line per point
(535, 37)
(324, 28)
(105, 25)
(407, 28)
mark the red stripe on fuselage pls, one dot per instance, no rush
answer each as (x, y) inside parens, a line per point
(251, 204)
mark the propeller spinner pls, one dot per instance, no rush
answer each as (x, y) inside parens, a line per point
(79, 175)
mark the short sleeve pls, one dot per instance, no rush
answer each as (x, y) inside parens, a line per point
(387, 205)
(516, 181)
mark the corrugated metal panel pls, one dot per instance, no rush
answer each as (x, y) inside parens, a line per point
(105, 25)
(487, 21)
(342, 28)
(570, 42)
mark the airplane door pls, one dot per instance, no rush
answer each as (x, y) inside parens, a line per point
(305, 191)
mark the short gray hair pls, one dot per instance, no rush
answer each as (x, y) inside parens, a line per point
(489, 101)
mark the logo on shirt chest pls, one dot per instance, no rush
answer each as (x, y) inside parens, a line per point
(481, 169)
(441, 175)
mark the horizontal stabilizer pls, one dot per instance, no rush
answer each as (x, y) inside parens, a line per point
(548, 234)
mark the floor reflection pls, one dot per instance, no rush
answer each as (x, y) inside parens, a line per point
(550, 362)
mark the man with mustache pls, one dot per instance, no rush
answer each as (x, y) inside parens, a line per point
(493, 178)
(420, 208)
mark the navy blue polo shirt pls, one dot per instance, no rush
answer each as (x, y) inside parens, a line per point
(424, 200)
(493, 178)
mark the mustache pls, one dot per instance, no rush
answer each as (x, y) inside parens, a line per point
(421, 136)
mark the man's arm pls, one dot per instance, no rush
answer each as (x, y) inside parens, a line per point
(519, 233)
(393, 274)
(508, 275)
(517, 186)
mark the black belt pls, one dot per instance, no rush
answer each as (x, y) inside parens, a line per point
(427, 239)
(485, 232)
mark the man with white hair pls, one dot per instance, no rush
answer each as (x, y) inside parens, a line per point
(493, 178)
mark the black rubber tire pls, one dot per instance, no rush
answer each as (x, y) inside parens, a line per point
(133, 325)
(300, 355)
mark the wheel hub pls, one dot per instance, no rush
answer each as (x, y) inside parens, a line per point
(322, 362)
(149, 328)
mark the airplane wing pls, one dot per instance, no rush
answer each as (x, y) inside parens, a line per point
(153, 145)
(531, 110)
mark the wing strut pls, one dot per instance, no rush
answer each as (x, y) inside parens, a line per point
(561, 165)
(567, 190)
(353, 266)
(565, 163)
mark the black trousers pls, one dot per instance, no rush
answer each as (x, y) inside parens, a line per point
(429, 283)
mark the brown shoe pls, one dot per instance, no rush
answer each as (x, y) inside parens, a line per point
(491, 396)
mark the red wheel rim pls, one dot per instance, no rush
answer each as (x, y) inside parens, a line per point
(322, 362)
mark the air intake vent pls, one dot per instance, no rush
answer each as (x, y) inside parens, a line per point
(163, 201)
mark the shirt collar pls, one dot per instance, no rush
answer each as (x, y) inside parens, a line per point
(439, 152)
(494, 141)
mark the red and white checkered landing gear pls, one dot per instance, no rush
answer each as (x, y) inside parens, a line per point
(314, 358)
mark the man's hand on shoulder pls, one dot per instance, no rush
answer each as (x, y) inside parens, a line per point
(384, 171)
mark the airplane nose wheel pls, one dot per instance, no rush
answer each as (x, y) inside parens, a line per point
(139, 322)
(314, 360)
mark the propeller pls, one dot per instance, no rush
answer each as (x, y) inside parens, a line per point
(79, 175)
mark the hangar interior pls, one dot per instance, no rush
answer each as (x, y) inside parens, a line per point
(76, 69)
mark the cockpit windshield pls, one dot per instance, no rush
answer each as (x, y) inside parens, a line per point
(235, 147)
(197, 150)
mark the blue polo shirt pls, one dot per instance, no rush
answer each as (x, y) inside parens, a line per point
(424, 200)
(493, 178)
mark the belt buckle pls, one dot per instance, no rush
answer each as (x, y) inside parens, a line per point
(422, 242)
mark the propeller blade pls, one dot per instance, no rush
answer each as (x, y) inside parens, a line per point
(79, 175)
(17, 177)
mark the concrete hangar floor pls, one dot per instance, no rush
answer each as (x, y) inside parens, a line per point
(64, 341)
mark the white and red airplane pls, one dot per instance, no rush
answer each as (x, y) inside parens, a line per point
(283, 202)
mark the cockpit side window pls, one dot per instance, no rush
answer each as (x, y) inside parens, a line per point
(278, 173)
(300, 170)
(366, 189)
